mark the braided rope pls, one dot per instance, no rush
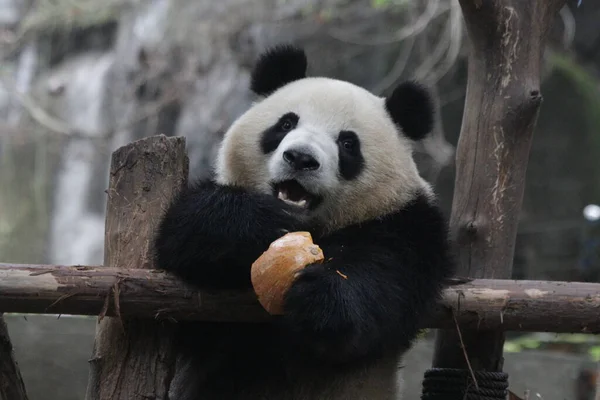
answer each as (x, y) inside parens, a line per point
(457, 384)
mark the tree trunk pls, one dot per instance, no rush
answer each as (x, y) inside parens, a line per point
(502, 103)
(134, 359)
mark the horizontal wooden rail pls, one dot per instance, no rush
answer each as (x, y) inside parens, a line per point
(95, 290)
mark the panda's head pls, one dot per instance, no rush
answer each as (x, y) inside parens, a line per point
(328, 146)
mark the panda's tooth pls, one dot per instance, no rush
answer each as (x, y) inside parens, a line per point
(302, 203)
(281, 196)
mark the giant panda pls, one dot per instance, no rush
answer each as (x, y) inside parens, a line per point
(325, 156)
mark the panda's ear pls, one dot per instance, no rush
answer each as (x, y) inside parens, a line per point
(277, 67)
(411, 108)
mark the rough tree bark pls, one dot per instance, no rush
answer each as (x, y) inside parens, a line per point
(503, 98)
(11, 381)
(134, 359)
(141, 293)
(480, 304)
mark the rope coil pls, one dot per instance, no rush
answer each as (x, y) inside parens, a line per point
(457, 384)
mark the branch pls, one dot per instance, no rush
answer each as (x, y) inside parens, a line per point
(11, 381)
(146, 293)
(433, 9)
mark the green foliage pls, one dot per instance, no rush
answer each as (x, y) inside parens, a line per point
(522, 343)
(580, 342)
(594, 353)
(379, 3)
(422, 334)
(588, 87)
(585, 84)
(389, 3)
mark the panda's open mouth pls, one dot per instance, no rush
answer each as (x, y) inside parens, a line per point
(295, 194)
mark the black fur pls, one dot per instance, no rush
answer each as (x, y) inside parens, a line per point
(393, 267)
(410, 106)
(364, 302)
(277, 67)
(351, 161)
(211, 234)
(272, 136)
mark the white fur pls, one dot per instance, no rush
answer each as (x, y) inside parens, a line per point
(326, 106)
(321, 146)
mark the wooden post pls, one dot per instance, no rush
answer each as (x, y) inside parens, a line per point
(11, 381)
(502, 104)
(503, 98)
(134, 359)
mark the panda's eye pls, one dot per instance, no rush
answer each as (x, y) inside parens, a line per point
(348, 144)
(286, 125)
(286, 122)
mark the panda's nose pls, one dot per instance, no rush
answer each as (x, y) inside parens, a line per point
(300, 161)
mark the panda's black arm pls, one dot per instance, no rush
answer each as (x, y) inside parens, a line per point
(211, 234)
(377, 282)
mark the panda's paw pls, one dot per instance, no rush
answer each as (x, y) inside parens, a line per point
(297, 213)
(325, 319)
(291, 220)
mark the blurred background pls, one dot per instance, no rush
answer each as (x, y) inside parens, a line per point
(79, 78)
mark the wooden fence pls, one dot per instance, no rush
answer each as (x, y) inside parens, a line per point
(479, 304)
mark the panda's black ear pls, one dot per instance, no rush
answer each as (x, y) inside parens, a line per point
(277, 67)
(411, 108)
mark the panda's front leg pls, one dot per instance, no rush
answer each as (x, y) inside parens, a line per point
(211, 234)
(355, 307)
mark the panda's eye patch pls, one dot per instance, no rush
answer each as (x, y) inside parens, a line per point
(273, 135)
(351, 159)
